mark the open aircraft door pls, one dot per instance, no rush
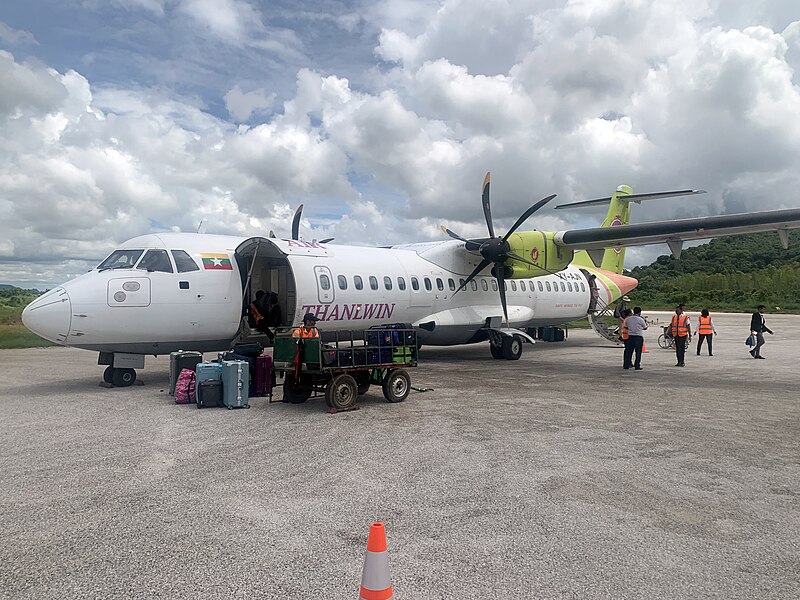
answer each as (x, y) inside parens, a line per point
(325, 292)
(264, 266)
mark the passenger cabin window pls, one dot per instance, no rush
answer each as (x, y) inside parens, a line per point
(155, 260)
(342, 282)
(569, 286)
(484, 285)
(184, 262)
(427, 284)
(451, 284)
(461, 282)
(401, 283)
(563, 287)
(522, 286)
(373, 282)
(121, 259)
(358, 282)
(513, 286)
(494, 284)
(415, 284)
(474, 285)
(547, 285)
(583, 289)
(387, 282)
(324, 282)
(439, 284)
(539, 285)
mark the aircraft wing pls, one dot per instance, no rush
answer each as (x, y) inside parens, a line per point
(677, 231)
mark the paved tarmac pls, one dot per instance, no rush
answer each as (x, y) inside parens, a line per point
(557, 476)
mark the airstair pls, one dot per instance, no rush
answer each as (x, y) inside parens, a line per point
(603, 322)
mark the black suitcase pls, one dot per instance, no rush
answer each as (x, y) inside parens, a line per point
(209, 393)
(180, 360)
(251, 349)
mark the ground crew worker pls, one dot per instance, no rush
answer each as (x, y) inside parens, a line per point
(705, 331)
(681, 331)
(308, 329)
(635, 325)
(623, 335)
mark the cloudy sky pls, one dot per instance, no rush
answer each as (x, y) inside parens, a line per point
(122, 117)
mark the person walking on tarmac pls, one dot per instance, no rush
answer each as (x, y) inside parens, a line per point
(635, 325)
(705, 331)
(757, 328)
(682, 332)
(623, 335)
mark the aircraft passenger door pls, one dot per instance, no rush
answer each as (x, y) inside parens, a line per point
(325, 291)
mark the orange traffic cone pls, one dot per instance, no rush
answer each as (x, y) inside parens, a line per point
(375, 583)
(644, 346)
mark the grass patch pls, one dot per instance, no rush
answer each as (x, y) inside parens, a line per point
(18, 336)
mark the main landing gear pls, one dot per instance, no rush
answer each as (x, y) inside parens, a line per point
(508, 347)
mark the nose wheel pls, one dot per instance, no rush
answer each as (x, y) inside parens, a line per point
(119, 377)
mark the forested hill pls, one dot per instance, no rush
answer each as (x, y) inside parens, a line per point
(733, 273)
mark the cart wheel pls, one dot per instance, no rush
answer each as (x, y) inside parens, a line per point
(363, 382)
(497, 351)
(341, 392)
(108, 375)
(663, 342)
(296, 391)
(397, 385)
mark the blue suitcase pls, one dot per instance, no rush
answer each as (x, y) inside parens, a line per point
(208, 371)
(235, 383)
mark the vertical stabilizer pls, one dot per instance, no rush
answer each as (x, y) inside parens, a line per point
(619, 213)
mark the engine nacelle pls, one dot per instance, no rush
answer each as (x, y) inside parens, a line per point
(539, 248)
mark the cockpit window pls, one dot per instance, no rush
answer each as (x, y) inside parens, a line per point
(121, 259)
(184, 262)
(155, 260)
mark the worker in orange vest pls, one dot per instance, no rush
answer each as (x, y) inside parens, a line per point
(682, 332)
(309, 328)
(705, 331)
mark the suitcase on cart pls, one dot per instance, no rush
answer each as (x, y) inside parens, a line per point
(235, 383)
(209, 393)
(264, 375)
(180, 360)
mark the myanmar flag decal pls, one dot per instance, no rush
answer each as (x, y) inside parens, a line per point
(216, 262)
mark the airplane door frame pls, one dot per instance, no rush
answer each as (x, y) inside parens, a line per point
(325, 296)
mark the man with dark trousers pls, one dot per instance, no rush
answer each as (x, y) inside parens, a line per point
(681, 331)
(757, 327)
(635, 342)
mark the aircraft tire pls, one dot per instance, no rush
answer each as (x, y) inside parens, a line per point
(108, 375)
(497, 352)
(512, 347)
(123, 377)
(396, 385)
(341, 392)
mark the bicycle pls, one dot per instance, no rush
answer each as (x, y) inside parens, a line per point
(666, 341)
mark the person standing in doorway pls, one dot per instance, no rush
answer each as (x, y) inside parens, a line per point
(705, 331)
(636, 326)
(757, 328)
(682, 332)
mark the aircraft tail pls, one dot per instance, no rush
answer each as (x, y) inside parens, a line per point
(619, 213)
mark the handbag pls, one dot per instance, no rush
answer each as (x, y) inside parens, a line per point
(751, 340)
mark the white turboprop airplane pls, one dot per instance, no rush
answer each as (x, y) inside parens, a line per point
(163, 292)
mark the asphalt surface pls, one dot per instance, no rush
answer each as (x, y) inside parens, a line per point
(557, 476)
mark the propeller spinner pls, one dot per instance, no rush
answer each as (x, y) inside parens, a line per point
(495, 250)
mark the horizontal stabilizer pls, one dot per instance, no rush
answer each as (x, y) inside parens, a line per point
(699, 228)
(631, 198)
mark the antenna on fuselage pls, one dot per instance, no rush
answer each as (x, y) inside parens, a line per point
(200, 228)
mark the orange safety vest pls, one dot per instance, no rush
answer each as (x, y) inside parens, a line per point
(704, 328)
(680, 326)
(257, 316)
(625, 328)
(302, 332)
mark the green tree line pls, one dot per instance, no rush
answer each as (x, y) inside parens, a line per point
(734, 273)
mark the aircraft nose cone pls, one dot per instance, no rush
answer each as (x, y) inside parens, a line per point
(49, 316)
